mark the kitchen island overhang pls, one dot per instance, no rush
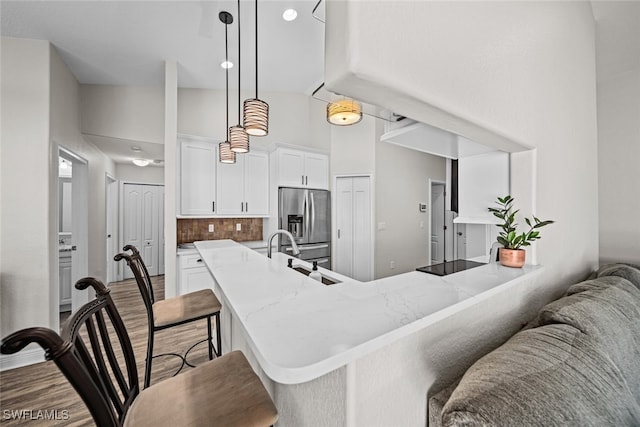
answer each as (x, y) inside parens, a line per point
(299, 329)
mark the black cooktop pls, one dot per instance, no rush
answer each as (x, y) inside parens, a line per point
(449, 267)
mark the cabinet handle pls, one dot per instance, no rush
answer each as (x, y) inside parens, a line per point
(306, 180)
(302, 180)
(241, 206)
(246, 206)
(213, 206)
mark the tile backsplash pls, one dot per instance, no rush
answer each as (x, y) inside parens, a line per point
(191, 230)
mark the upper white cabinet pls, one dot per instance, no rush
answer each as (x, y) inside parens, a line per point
(298, 168)
(243, 187)
(197, 177)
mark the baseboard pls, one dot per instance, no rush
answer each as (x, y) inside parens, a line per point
(22, 358)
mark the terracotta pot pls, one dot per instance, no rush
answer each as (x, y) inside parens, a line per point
(512, 257)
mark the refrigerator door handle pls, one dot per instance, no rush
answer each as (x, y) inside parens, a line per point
(306, 216)
(313, 214)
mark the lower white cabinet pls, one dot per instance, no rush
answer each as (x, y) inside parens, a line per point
(64, 276)
(193, 275)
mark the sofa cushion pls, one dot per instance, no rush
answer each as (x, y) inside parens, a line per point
(550, 375)
(631, 272)
(608, 310)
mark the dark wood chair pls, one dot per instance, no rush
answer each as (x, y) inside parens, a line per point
(95, 355)
(172, 312)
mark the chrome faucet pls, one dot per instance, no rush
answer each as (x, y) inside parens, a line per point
(294, 247)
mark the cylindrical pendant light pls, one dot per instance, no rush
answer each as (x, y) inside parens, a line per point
(256, 111)
(224, 148)
(238, 138)
(344, 112)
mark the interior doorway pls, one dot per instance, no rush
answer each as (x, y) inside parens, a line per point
(72, 197)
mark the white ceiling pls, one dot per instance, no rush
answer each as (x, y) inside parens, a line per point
(127, 42)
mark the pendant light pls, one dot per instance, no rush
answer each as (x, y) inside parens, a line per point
(224, 148)
(239, 139)
(256, 111)
(344, 112)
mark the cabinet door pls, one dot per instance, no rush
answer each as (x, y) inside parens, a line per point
(64, 270)
(195, 279)
(317, 171)
(290, 168)
(256, 183)
(197, 178)
(230, 196)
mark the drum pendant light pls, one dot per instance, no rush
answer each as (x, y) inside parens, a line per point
(256, 111)
(344, 112)
(239, 139)
(224, 148)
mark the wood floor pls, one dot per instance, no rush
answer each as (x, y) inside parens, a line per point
(41, 387)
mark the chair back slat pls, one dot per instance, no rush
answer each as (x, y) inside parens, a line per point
(141, 274)
(100, 367)
(111, 356)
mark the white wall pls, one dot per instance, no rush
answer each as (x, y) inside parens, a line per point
(40, 109)
(26, 235)
(494, 72)
(293, 118)
(402, 182)
(618, 171)
(125, 112)
(143, 175)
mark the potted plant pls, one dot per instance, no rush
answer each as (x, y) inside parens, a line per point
(511, 254)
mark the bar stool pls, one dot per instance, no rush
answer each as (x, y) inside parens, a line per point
(172, 312)
(96, 356)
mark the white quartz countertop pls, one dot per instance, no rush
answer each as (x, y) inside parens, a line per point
(300, 329)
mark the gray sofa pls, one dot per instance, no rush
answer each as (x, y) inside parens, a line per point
(576, 364)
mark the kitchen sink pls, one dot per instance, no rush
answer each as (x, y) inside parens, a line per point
(325, 280)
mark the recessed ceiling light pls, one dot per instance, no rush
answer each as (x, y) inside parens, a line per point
(136, 149)
(289, 14)
(226, 64)
(140, 162)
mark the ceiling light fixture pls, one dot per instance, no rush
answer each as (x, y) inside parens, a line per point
(136, 149)
(289, 15)
(140, 162)
(344, 112)
(226, 64)
(224, 148)
(256, 111)
(238, 138)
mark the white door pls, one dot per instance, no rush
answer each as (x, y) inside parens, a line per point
(353, 249)
(437, 222)
(256, 183)
(290, 168)
(316, 171)
(230, 182)
(142, 225)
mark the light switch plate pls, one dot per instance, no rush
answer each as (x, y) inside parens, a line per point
(238, 227)
(210, 228)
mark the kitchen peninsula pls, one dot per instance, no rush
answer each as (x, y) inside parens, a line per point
(306, 339)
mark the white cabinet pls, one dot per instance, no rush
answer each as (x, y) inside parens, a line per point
(64, 277)
(197, 177)
(193, 275)
(243, 187)
(298, 168)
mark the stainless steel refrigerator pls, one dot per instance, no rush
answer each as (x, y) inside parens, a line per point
(306, 214)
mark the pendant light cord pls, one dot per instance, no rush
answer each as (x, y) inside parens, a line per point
(226, 54)
(239, 58)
